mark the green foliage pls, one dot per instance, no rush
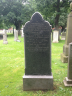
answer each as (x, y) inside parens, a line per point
(18, 12)
(44, 6)
(54, 10)
(15, 12)
(63, 19)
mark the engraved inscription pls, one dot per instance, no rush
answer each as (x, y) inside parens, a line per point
(37, 37)
(37, 41)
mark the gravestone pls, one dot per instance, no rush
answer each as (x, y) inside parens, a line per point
(63, 35)
(37, 41)
(55, 36)
(22, 34)
(15, 35)
(68, 79)
(64, 55)
(5, 37)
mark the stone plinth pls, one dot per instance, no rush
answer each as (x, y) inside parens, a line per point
(64, 55)
(67, 82)
(64, 58)
(37, 82)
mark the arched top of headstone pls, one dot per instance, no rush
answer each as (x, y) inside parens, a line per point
(37, 19)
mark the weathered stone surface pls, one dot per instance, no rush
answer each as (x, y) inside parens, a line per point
(68, 34)
(70, 62)
(31, 82)
(67, 82)
(55, 36)
(15, 35)
(63, 36)
(5, 37)
(68, 79)
(37, 35)
(22, 33)
(65, 49)
(64, 58)
(37, 41)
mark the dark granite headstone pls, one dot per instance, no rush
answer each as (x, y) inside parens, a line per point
(37, 40)
(37, 36)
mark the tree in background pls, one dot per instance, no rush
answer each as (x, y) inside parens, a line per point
(18, 12)
(15, 12)
(54, 11)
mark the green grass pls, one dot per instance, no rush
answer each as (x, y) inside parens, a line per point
(12, 65)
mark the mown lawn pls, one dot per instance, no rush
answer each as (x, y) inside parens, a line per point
(12, 64)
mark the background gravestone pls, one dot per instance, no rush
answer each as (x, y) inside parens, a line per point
(63, 35)
(5, 37)
(55, 36)
(68, 79)
(15, 35)
(22, 33)
(37, 37)
(64, 55)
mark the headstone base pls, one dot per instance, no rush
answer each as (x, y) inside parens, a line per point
(5, 42)
(64, 58)
(37, 82)
(62, 38)
(55, 41)
(67, 82)
(16, 40)
(65, 49)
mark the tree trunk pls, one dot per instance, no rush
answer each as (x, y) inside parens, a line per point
(57, 15)
(63, 28)
(56, 21)
(18, 28)
(19, 33)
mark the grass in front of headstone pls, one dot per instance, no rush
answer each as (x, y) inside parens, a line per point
(12, 69)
